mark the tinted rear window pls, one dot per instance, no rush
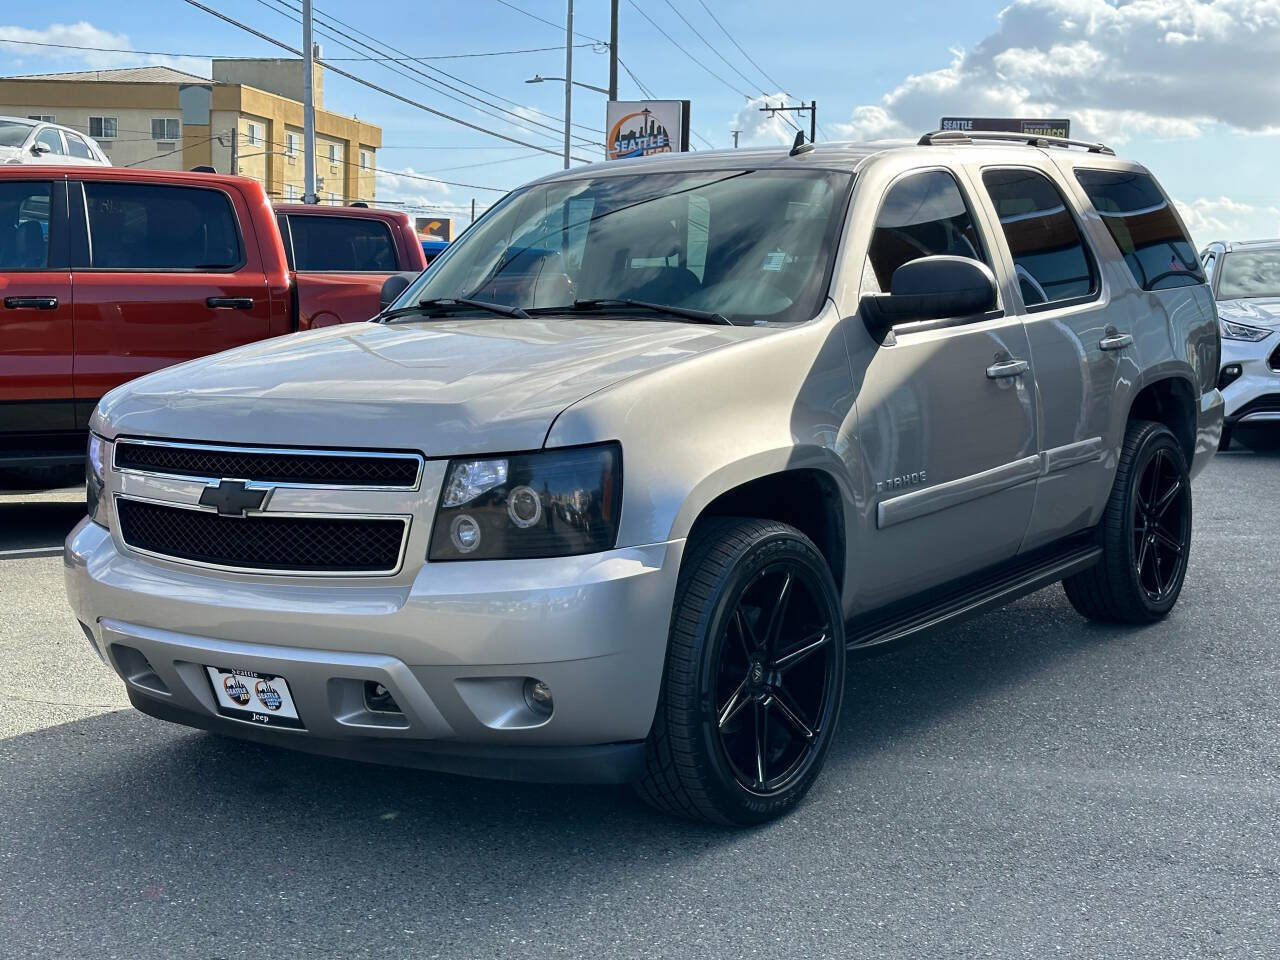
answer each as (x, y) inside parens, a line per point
(341, 244)
(136, 226)
(1142, 223)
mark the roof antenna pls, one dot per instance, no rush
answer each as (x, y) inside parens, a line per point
(799, 146)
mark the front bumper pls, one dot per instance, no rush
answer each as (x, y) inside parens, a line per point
(453, 645)
(1254, 397)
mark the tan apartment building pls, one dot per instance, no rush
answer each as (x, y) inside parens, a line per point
(247, 119)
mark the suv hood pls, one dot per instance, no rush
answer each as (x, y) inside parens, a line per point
(1260, 312)
(464, 386)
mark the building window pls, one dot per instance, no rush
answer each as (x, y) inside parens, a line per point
(166, 128)
(333, 198)
(41, 118)
(103, 128)
(290, 144)
(366, 160)
(291, 191)
(335, 153)
(254, 134)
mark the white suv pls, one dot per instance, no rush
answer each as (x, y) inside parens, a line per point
(34, 141)
(1245, 279)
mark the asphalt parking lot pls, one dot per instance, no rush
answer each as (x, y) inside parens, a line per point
(1024, 785)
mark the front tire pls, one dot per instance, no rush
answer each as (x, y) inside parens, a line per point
(1145, 532)
(754, 676)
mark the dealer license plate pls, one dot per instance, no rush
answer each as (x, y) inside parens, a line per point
(254, 697)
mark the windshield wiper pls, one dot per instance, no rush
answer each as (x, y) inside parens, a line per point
(448, 306)
(684, 313)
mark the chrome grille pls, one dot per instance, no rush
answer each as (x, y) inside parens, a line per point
(262, 542)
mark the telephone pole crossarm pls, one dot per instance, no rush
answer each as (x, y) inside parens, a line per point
(810, 108)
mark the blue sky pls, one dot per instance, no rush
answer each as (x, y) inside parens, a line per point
(1185, 86)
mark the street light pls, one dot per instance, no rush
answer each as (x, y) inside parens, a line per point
(538, 78)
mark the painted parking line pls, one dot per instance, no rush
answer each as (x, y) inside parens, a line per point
(29, 552)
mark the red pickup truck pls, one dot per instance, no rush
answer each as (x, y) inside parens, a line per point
(107, 273)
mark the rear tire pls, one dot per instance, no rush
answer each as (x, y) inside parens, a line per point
(1145, 533)
(753, 679)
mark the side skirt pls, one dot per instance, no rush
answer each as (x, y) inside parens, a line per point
(923, 613)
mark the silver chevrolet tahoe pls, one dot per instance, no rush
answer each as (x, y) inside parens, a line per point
(611, 492)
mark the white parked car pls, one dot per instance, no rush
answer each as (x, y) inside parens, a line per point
(32, 141)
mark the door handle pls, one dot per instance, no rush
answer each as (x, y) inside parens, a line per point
(1115, 341)
(229, 303)
(1007, 368)
(31, 303)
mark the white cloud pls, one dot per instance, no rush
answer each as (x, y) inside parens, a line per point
(1158, 68)
(395, 189)
(766, 129)
(102, 51)
(1222, 218)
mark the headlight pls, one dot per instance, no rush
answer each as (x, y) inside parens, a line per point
(95, 478)
(556, 503)
(1242, 331)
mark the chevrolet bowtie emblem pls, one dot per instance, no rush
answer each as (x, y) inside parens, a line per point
(232, 498)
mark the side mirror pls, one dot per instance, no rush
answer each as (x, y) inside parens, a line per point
(392, 287)
(931, 288)
(39, 149)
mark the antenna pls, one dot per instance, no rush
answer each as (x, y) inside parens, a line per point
(800, 146)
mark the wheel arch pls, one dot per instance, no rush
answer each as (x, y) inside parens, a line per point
(1169, 398)
(807, 494)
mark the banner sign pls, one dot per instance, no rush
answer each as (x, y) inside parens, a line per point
(434, 227)
(1044, 128)
(640, 128)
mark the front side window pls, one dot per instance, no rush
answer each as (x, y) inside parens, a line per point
(77, 147)
(1049, 255)
(103, 128)
(1141, 220)
(166, 128)
(52, 140)
(923, 215)
(24, 225)
(341, 244)
(751, 245)
(136, 226)
(1249, 273)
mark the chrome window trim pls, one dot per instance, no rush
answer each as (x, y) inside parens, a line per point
(297, 451)
(405, 519)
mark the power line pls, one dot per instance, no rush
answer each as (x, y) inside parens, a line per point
(374, 86)
(218, 56)
(521, 122)
(386, 46)
(691, 57)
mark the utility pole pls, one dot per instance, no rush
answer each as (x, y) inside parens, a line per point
(235, 149)
(613, 49)
(811, 109)
(735, 138)
(568, 78)
(309, 107)
(473, 209)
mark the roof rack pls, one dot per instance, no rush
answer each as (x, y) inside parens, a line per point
(952, 137)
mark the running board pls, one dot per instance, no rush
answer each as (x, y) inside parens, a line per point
(947, 605)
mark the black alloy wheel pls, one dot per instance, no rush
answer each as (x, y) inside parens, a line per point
(1161, 526)
(775, 681)
(1145, 533)
(753, 678)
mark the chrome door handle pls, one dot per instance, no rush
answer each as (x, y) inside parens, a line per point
(31, 303)
(1007, 368)
(1115, 341)
(229, 303)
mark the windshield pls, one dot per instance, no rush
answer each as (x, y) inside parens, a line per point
(14, 133)
(752, 245)
(1255, 273)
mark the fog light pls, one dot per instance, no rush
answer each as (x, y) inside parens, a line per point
(1229, 375)
(465, 533)
(538, 696)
